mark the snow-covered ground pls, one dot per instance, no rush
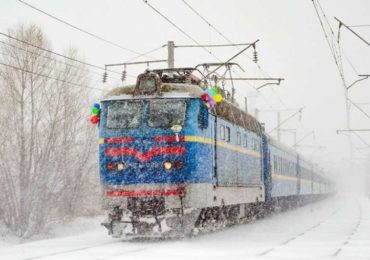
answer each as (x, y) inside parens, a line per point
(335, 228)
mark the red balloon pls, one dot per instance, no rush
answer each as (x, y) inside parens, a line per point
(205, 97)
(94, 119)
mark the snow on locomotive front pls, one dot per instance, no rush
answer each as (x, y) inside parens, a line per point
(148, 137)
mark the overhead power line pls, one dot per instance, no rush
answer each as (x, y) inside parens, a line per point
(52, 78)
(55, 53)
(82, 30)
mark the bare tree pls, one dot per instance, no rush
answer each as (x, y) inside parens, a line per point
(46, 144)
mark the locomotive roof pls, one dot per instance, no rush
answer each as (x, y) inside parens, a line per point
(167, 90)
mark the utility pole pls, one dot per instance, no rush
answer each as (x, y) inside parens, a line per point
(278, 126)
(171, 54)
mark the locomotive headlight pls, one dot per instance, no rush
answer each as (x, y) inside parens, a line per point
(121, 166)
(167, 165)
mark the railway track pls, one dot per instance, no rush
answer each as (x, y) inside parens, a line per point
(332, 235)
(300, 234)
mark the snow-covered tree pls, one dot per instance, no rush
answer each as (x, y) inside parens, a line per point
(47, 147)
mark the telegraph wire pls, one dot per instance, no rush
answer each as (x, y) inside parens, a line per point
(82, 30)
(52, 78)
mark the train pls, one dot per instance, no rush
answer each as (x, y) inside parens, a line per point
(171, 165)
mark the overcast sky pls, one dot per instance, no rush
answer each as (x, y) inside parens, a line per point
(292, 46)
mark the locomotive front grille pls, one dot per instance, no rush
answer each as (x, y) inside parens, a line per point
(146, 206)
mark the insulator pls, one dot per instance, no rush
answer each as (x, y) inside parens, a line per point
(124, 74)
(105, 75)
(255, 56)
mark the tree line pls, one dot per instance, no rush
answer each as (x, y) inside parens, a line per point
(48, 149)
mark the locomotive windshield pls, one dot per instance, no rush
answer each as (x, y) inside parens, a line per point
(166, 113)
(124, 114)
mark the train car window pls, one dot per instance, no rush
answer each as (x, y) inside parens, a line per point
(222, 132)
(166, 113)
(255, 145)
(280, 165)
(245, 141)
(124, 114)
(238, 138)
(227, 134)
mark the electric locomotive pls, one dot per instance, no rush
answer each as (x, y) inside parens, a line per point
(170, 166)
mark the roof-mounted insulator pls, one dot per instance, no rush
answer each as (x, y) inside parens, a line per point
(124, 74)
(255, 56)
(105, 75)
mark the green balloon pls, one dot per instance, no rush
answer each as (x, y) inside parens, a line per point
(214, 91)
(95, 111)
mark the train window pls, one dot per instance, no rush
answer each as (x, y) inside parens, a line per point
(227, 134)
(124, 114)
(203, 116)
(238, 138)
(222, 132)
(166, 113)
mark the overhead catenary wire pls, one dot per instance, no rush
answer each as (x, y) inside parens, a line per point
(146, 53)
(359, 25)
(189, 36)
(83, 30)
(180, 29)
(52, 78)
(52, 59)
(58, 54)
(235, 45)
(217, 30)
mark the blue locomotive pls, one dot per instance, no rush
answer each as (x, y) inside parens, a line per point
(170, 166)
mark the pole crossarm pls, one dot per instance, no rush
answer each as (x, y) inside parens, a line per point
(233, 57)
(352, 31)
(278, 81)
(213, 45)
(363, 77)
(339, 131)
(134, 63)
(284, 121)
(252, 79)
